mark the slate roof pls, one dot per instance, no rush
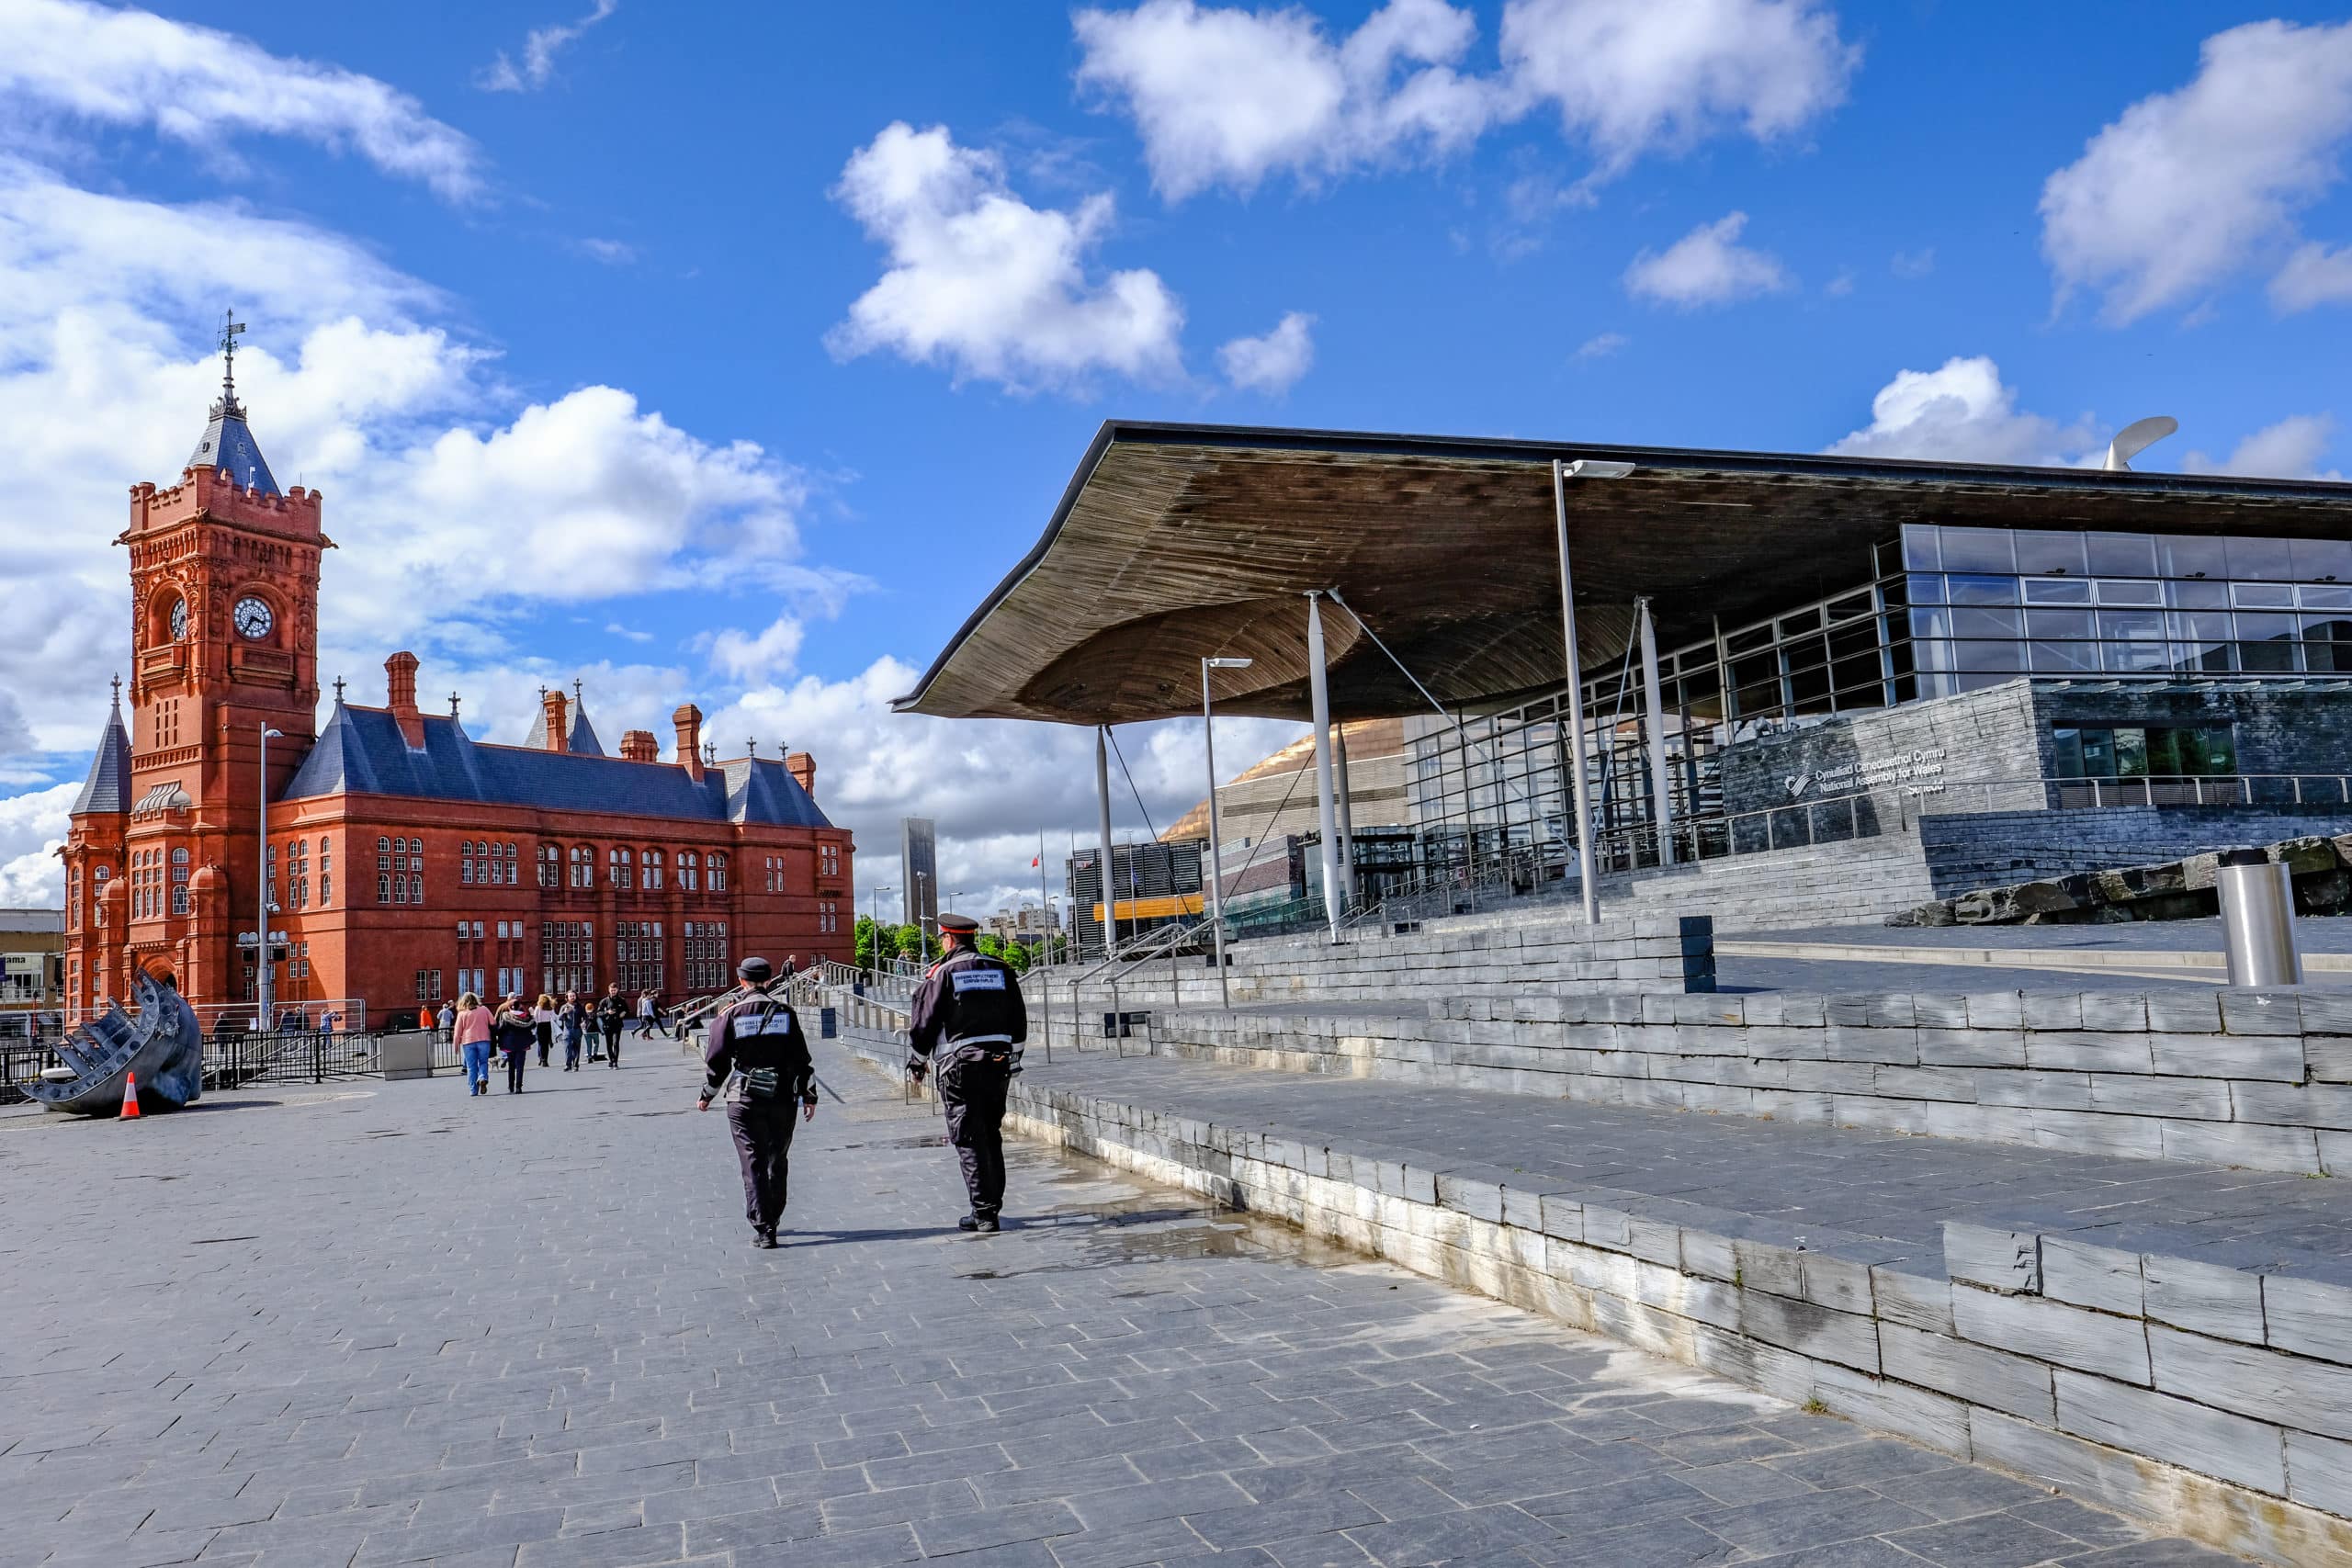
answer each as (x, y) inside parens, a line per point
(579, 735)
(228, 444)
(362, 751)
(108, 786)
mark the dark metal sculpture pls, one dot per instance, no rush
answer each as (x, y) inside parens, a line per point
(162, 1045)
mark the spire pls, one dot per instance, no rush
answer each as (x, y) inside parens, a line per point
(108, 786)
(228, 444)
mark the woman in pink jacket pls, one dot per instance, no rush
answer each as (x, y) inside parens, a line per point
(473, 1042)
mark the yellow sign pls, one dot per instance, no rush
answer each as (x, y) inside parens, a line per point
(1153, 909)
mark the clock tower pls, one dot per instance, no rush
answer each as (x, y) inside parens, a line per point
(224, 593)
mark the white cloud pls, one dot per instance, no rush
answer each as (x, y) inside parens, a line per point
(2314, 274)
(1914, 263)
(753, 659)
(1274, 362)
(1636, 77)
(1962, 414)
(988, 286)
(1227, 97)
(539, 47)
(200, 87)
(460, 507)
(611, 252)
(614, 629)
(2187, 190)
(1602, 346)
(2291, 449)
(32, 826)
(1706, 266)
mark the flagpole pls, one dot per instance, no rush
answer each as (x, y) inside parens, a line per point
(1044, 903)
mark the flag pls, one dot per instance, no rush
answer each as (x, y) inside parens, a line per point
(1032, 863)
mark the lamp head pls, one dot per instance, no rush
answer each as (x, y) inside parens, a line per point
(272, 734)
(1597, 468)
(1228, 663)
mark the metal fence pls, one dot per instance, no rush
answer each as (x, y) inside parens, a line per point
(314, 1057)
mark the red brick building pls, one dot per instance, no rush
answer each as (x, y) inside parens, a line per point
(406, 861)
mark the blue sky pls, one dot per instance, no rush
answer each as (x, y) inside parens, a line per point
(633, 343)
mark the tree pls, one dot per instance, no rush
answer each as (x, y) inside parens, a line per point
(1017, 954)
(864, 931)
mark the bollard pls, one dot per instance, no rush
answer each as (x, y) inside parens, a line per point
(2258, 919)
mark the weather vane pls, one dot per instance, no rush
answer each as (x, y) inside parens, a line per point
(230, 329)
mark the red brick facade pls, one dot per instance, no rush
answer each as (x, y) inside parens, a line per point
(408, 861)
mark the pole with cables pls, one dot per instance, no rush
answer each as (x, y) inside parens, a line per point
(1586, 866)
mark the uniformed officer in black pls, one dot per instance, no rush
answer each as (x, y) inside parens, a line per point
(756, 1042)
(968, 1010)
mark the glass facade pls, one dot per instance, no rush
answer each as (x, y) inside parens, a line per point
(1934, 610)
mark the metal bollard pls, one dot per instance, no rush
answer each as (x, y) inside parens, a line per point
(2258, 919)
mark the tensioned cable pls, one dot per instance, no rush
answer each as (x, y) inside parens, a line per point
(1131, 783)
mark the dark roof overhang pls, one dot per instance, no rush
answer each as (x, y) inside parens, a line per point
(1176, 542)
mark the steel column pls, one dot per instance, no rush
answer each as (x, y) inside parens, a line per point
(1217, 845)
(1319, 691)
(1347, 815)
(1102, 821)
(1586, 860)
(1661, 777)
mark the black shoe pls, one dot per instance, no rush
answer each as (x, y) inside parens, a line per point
(969, 1222)
(763, 1239)
(986, 1226)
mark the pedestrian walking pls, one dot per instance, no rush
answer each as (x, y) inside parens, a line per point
(758, 1056)
(469, 1030)
(612, 1012)
(572, 1020)
(515, 1034)
(543, 1024)
(968, 1010)
(449, 1023)
(648, 1015)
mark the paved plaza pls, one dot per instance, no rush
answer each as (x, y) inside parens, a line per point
(375, 1323)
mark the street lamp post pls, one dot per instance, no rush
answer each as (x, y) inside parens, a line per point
(1216, 836)
(922, 936)
(874, 917)
(264, 975)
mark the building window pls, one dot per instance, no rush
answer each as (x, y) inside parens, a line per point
(828, 860)
(2170, 757)
(550, 866)
(298, 874)
(706, 955)
(179, 881)
(689, 870)
(636, 953)
(583, 866)
(829, 918)
(466, 862)
(652, 868)
(428, 985)
(718, 872)
(567, 958)
(326, 872)
(623, 870)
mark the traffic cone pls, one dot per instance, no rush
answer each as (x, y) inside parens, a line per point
(129, 1097)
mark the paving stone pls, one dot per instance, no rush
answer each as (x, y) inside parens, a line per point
(521, 1361)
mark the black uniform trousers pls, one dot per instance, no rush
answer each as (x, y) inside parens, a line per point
(612, 1041)
(762, 1131)
(973, 1094)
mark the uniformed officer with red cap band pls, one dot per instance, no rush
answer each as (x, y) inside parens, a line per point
(968, 1010)
(758, 1051)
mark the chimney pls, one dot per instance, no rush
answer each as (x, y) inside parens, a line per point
(803, 767)
(400, 696)
(639, 746)
(688, 721)
(557, 721)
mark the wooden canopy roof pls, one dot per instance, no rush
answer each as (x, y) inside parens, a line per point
(1176, 542)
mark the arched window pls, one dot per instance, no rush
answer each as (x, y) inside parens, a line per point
(326, 872)
(550, 866)
(689, 870)
(718, 872)
(623, 871)
(511, 863)
(583, 866)
(652, 878)
(383, 887)
(179, 881)
(466, 861)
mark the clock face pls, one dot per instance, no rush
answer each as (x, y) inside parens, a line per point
(179, 621)
(253, 618)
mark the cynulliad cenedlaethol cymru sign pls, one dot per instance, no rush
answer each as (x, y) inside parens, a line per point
(1921, 771)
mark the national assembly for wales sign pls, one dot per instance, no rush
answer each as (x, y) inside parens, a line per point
(1920, 773)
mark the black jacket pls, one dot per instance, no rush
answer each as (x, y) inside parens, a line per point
(968, 1002)
(759, 1030)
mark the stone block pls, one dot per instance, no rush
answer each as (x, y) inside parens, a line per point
(1479, 1200)
(2124, 1012)
(1914, 1300)
(2054, 1331)
(2307, 1318)
(2077, 1050)
(1924, 1083)
(1842, 1284)
(1563, 1217)
(2085, 1274)
(1744, 1362)
(2295, 1105)
(2184, 1012)
(2043, 1090)
(2145, 1094)
(2243, 1144)
(2208, 1298)
(1609, 1229)
(1996, 1010)
(2052, 1012)
(2328, 1057)
(1973, 1372)
(2278, 1057)
(1964, 1048)
(2319, 1472)
(2178, 1431)
(1764, 1266)
(2096, 1132)
(1846, 1338)
(2311, 1396)
(2009, 1262)
(2260, 1012)
(1928, 1419)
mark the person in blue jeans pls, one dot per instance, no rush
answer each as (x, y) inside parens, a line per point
(473, 1032)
